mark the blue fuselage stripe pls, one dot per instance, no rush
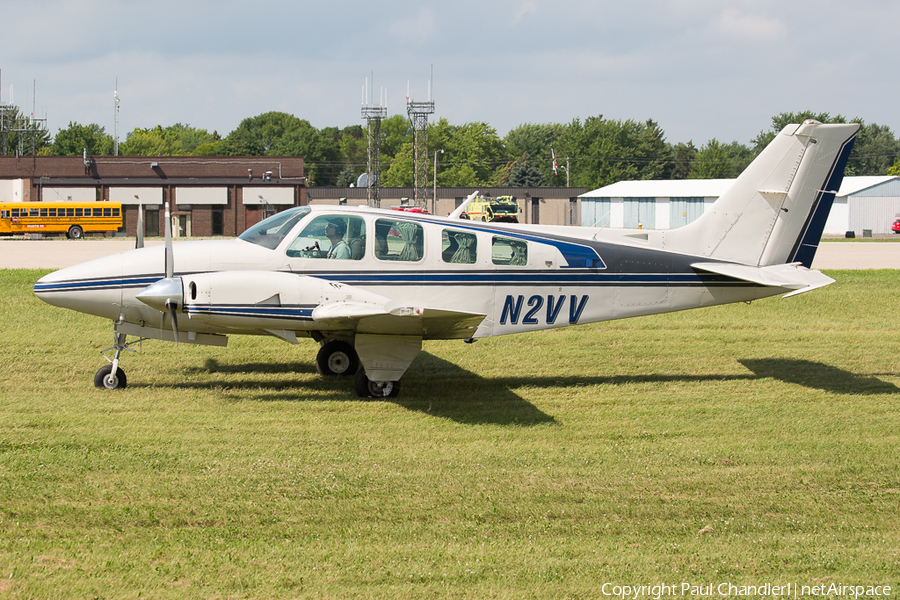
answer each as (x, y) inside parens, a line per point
(430, 278)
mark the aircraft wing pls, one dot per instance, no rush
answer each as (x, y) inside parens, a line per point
(401, 320)
(792, 276)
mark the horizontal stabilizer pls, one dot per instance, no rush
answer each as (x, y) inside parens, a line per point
(792, 276)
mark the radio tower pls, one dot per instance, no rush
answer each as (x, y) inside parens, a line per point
(373, 114)
(418, 115)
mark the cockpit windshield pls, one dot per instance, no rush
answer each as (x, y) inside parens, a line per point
(270, 232)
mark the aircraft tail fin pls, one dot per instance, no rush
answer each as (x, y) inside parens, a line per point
(775, 212)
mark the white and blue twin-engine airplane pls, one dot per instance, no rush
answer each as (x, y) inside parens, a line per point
(370, 285)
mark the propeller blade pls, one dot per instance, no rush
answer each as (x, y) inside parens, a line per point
(172, 306)
(170, 260)
(139, 243)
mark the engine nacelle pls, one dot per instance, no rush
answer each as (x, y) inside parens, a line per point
(266, 299)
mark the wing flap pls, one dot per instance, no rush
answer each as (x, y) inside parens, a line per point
(792, 276)
(428, 323)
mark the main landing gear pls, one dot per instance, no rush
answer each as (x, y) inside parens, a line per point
(339, 358)
(366, 388)
(111, 377)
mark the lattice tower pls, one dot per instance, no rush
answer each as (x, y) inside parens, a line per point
(418, 116)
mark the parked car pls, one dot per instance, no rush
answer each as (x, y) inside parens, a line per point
(896, 226)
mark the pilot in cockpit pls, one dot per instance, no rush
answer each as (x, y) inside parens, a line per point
(340, 249)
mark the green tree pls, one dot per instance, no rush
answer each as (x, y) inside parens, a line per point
(346, 177)
(255, 136)
(73, 140)
(875, 149)
(536, 141)
(354, 150)
(782, 120)
(683, 157)
(472, 153)
(319, 149)
(175, 140)
(399, 173)
(525, 173)
(720, 161)
(151, 142)
(895, 170)
(607, 151)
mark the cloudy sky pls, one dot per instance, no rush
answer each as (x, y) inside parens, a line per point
(700, 68)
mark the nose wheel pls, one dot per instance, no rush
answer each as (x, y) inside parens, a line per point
(111, 377)
(108, 379)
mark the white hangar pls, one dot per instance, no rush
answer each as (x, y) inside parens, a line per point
(862, 204)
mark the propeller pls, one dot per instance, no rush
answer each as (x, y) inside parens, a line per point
(166, 295)
(139, 242)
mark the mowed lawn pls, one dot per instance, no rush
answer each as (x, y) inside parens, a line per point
(753, 443)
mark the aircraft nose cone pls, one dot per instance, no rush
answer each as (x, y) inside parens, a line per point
(161, 294)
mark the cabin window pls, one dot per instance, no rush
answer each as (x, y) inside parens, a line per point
(509, 252)
(459, 247)
(4, 214)
(78, 212)
(43, 212)
(34, 212)
(339, 237)
(398, 240)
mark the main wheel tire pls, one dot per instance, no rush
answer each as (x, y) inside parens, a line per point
(336, 357)
(104, 378)
(366, 388)
(75, 232)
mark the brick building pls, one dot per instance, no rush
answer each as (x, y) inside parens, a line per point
(208, 196)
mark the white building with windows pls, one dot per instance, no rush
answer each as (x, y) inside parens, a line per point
(862, 204)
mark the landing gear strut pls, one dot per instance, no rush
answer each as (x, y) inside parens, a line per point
(366, 388)
(111, 377)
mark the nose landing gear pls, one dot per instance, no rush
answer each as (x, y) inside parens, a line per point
(111, 377)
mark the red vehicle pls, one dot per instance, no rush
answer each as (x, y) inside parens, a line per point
(896, 226)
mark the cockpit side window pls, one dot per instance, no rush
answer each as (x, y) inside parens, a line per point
(341, 237)
(399, 240)
(459, 247)
(270, 232)
(509, 252)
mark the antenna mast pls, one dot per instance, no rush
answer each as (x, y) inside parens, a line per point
(418, 116)
(17, 123)
(373, 114)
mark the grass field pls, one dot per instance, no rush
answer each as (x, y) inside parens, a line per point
(747, 444)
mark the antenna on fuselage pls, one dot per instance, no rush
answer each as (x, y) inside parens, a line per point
(462, 207)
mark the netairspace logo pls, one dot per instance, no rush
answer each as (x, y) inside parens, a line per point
(727, 590)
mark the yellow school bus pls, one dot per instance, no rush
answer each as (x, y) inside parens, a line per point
(72, 218)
